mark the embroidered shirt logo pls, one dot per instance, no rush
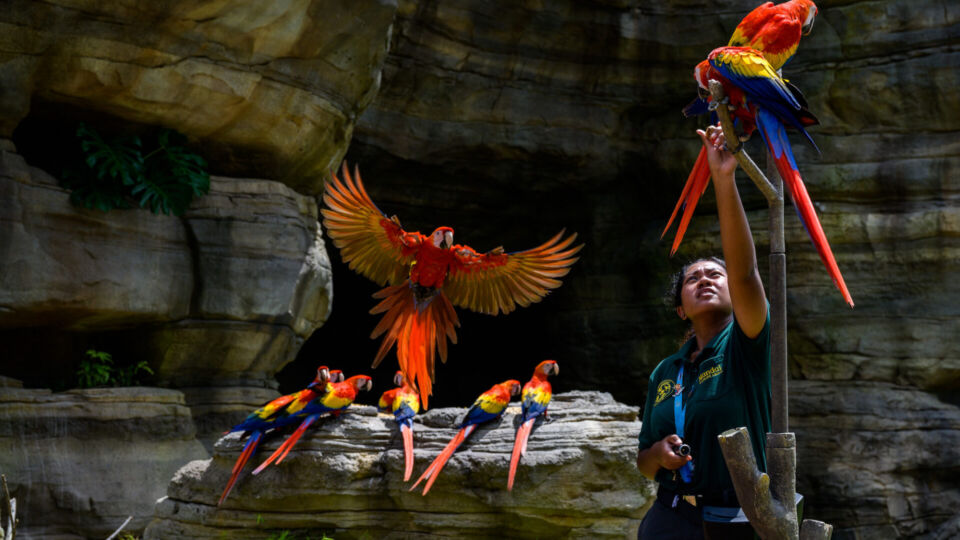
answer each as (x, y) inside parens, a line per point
(664, 390)
(710, 373)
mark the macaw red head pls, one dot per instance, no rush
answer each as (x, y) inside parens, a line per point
(547, 368)
(336, 375)
(703, 73)
(361, 382)
(513, 386)
(808, 12)
(398, 378)
(442, 237)
(323, 375)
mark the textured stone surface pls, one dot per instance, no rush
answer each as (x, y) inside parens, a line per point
(883, 457)
(80, 462)
(270, 90)
(345, 478)
(224, 295)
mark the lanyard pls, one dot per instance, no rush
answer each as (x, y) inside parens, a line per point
(679, 415)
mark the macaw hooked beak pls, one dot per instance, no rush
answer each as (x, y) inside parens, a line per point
(447, 240)
(368, 385)
(807, 28)
(556, 369)
(398, 379)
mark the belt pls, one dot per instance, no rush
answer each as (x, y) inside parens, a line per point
(671, 498)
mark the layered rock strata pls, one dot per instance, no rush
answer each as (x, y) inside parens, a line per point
(223, 296)
(269, 90)
(344, 479)
(80, 462)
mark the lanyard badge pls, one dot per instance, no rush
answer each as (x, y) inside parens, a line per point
(679, 413)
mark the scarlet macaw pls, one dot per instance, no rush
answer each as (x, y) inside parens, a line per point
(536, 397)
(775, 30)
(743, 113)
(428, 275)
(278, 412)
(339, 396)
(489, 406)
(767, 94)
(404, 403)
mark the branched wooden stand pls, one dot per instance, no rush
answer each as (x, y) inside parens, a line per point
(768, 499)
(8, 512)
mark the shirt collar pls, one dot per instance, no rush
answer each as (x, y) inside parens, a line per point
(691, 344)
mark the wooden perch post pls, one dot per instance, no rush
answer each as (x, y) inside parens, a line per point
(8, 512)
(768, 499)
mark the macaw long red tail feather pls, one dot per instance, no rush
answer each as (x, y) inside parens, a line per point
(775, 137)
(248, 450)
(438, 463)
(699, 179)
(683, 195)
(284, 448)
(519, 447)
(407, 433)
(416, 332)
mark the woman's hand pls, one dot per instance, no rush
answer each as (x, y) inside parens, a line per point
(661, 455)
(667, 458)
(722, 163)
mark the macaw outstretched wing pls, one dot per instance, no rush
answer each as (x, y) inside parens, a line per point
(370, 243)
(496, 281)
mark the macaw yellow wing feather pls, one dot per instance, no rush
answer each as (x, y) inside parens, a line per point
(370, 243)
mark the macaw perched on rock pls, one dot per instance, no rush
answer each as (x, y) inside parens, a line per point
(404, 403)
(775, 106)
(338, 397)
(428, 275)
(489, 406)
(536, 397)
(278, 412)
(775, 30)
(743, 114)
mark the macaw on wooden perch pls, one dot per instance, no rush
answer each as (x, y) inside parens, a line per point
(279, 412)
(536, 397)
(775, 106)
(489, 406)
(404, 403)
(338, 397)
(775, 31)
(428, 275)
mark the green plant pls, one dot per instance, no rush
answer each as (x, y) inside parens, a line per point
(94, 369)
(97, 369)
(115, 173)
(129, 375)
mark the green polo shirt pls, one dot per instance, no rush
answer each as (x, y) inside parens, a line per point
(728, 387)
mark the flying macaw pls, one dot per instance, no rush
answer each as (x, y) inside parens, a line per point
(278, 412)
(489, 406)
(404, 402)
(743, 113)
(536, 397)
(774, 104)
(775, 30)
(338, 397)
(428, 275)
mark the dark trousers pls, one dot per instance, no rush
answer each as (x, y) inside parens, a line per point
(683, 521)
(665, 523)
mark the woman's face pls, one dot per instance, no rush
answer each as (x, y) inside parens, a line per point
(704, 289)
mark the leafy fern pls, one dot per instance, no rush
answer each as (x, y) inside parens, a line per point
(116, 174)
